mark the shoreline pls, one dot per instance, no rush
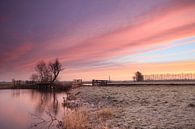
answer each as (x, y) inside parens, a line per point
(65, 88)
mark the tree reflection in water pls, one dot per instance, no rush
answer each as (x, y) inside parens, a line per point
(45, 100)
(42, 122)
(47, 107)
(15, 93)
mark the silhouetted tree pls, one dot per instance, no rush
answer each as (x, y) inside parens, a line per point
(47, 72)
(55, 68)
(139, 76)
(43, 71)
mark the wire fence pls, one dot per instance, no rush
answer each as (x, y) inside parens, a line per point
(181, 76)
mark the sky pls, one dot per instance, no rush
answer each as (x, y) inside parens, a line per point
(95, 39)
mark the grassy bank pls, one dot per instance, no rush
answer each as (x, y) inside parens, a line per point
(6, 85)
(65, 86)
(139, 106)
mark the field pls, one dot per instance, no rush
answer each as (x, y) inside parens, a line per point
(137, 107)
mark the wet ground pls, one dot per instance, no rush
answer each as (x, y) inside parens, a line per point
(147, 107)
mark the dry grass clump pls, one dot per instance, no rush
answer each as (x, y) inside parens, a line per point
(81, 118)
(103, 125)
(102, 115)
(105, 113)
(76, 119)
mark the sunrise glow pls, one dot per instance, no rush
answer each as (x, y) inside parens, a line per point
(97, 39)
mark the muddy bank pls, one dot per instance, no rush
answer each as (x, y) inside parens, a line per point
(139, 107)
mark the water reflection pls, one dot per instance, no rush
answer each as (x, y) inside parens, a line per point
(17, 106)
(44, 100)
(15, 93)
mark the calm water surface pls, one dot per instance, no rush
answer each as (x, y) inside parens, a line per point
(26, 109)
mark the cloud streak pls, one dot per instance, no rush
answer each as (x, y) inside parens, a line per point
(17, 53)
(132, 39)
(87, 43)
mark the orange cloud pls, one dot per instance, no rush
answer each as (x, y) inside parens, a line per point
(156, 27)
(126, 71)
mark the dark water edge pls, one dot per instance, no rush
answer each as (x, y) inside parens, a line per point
(6, 86)
(54, 87)
(26, 108)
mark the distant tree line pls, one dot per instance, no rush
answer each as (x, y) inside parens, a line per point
(168, 76)
(181, 76)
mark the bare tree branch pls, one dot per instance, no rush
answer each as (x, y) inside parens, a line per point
(55, 68)
(46, 122)
(47, 72)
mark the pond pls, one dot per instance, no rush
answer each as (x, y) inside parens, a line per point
(26, 109)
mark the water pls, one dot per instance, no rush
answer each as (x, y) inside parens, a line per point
(26, 109)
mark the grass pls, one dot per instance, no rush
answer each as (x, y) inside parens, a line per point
(5, 86)
(133, 105)
(105, 113)
(59, 86)
(76, 119)
(81, 118)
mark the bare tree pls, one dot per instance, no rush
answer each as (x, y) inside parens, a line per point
(55, 68)
(139, 76)
(43, 71)
(47, 72)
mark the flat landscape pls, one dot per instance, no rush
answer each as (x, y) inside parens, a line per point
(136, 107)
(6, 85)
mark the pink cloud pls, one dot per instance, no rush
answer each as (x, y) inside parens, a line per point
(16, 53)
(3, 18)
(11, 62)
(156, 28)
